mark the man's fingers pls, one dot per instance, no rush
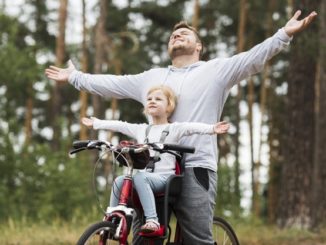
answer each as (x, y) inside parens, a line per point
(49, 71)
(55, 68)
(306, 21)
(311, 16)
(296, 15)
(71, 65)
(53, 77)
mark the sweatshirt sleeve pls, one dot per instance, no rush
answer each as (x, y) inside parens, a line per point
(190, 128)
(242, 65)
(130, 129)
(117, 86)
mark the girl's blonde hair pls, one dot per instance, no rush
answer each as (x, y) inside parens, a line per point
(170, 96)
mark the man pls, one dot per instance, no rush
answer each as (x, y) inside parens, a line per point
(202, 89)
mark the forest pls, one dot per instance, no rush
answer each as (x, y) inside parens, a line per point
(271, 171)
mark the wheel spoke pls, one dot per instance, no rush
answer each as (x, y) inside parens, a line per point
(223, 233)
(99, 234)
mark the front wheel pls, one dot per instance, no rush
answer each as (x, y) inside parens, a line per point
(100, 233)
(223, 233)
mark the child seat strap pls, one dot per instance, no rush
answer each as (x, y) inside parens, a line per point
(151, 165)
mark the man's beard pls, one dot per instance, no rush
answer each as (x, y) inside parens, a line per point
(180, 51)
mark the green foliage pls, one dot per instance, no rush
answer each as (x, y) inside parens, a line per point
(40, 17)
(226, 201)
(40, 184)
(35, 182)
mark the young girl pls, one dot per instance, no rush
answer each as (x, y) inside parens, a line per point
(160, 104)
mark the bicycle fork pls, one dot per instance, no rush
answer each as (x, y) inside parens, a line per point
(121, 215)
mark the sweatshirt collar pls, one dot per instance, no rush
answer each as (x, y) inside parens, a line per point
(185, 70)
(173, 68)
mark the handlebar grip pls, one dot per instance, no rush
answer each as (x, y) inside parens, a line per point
(80, 144)
(179, 148)
(77, 150)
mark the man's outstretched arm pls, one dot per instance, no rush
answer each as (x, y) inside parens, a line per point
(117, 86)
(244, 64)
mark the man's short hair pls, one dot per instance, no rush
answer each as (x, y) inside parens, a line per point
(184, 24)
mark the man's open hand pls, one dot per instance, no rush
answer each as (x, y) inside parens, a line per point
(294, 25)
(60, 74)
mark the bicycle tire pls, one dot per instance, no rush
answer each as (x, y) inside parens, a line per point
(99, 233)
(223, 232)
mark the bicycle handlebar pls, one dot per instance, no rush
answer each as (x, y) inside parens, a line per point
(81, 145)
(179, 148)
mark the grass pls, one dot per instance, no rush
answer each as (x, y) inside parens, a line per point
(65, 233)
(26, 233)
(257, 233)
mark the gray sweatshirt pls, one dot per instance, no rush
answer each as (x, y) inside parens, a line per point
(166, 165)
(202, 89)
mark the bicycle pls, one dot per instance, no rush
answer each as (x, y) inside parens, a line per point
(116, 224)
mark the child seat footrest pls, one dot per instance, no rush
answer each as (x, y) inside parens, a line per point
(159, 232)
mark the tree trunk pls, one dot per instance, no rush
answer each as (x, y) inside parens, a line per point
(100, 55)
(29, 114)
(83, 95)
(272, 186)
(296, 208)
(60, 55)
(254, 166)
(195, 17)
(319, 175)
(240, 48)
(276, 144)
(114, 102)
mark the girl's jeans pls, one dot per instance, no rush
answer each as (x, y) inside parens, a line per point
(146, 184)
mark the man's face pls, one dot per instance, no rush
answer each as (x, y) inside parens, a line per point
(183, 42)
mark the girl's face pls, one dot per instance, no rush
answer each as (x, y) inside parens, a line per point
(157, 103)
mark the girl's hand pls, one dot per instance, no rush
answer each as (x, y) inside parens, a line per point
(221, 127)
(88, 121)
